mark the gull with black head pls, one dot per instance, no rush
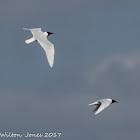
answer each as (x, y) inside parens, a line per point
(41, 38)
(102, 104)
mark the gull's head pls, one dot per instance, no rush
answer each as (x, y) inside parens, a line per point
(113, 101)
(49, 33)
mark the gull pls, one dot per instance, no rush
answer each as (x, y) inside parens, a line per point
(102, 104)
(41, 38)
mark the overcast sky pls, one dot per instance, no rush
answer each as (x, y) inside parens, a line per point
(97, 55)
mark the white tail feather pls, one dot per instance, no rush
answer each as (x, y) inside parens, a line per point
(30, 40)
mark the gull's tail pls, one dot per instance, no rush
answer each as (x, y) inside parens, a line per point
(30, 40)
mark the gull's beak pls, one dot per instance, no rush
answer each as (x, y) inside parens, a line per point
(51, 33)
(116, 102)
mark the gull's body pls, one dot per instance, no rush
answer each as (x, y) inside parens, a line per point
(41, 38)
(102, 104)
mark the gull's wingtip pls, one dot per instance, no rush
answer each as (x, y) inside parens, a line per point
(51, 65)
(25, 29)
(96, 113)
(91, 104)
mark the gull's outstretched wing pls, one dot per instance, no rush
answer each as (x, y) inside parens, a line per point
(98, 104)
(35, 31)
(104, 104)
(48, 48)
(100, 108)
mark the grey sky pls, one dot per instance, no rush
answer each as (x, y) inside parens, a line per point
(97, 56)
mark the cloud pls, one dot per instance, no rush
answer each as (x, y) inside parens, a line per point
(123, 63)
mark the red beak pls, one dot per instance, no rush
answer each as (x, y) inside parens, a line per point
(116, 102)
(51, 33)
